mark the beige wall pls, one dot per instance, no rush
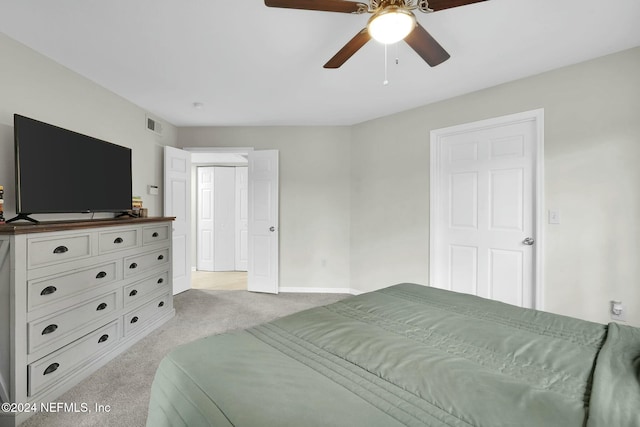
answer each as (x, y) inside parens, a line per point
(355, 200)
(37, 87)
(592, 153)
(354, 206)
(314, 196)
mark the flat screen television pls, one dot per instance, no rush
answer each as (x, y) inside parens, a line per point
(61, 171)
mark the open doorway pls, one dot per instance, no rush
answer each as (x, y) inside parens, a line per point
(263, 214)
(221, 223)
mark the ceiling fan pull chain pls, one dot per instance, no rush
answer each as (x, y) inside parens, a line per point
(386, 81)
(397, 55)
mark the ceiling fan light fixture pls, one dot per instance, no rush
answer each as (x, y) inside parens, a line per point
(391, 24)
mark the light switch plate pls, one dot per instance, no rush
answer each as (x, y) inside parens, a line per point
(554, 216)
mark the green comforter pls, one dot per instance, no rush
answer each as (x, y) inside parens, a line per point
(406, 355)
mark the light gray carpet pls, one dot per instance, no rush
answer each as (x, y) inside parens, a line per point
(125, 382)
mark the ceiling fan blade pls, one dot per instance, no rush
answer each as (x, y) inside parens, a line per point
(324, 5)
(448, 4)
(426, 46)
(349, 49)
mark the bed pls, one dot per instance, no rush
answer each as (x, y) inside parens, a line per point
(406, 355)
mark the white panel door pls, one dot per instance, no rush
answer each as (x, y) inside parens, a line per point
(204, 227)
(484, 211)
(224, 219)
(263, 221)
(177, 203)
(242, 223)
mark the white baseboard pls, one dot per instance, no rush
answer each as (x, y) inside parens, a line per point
(289, 289)
(311, 290)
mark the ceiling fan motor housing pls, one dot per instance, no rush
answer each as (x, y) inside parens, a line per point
(384, 3)
(422, 5)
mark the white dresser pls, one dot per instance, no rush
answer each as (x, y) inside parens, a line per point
(73, 295)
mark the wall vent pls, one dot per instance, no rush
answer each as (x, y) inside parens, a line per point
(154, 126)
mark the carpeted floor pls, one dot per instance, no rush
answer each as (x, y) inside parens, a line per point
(124, 384)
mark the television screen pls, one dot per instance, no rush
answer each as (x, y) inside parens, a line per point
(60, 171)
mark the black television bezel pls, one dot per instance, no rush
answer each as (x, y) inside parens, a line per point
(21, 214)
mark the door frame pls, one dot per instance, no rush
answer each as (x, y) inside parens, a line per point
(200, 154)
(537, 116)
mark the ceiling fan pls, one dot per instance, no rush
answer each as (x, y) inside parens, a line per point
(391, 21)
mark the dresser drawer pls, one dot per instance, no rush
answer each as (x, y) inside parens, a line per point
(112, 241)
(155, 234)
(47, 251)
(140, 317)
(58, 327)
(138, 291)
(54, 288)
(50, 369)
(139, 263)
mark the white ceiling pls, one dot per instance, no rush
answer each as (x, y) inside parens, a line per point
(253, 65)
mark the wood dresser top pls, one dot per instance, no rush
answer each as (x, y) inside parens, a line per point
(49, 226)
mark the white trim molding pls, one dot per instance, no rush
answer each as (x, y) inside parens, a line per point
(290, 289)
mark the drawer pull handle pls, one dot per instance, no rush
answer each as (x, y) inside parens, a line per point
(134, 319)
(60, 250)
(133, 293)
(102, 306)
(160, 257)
(155, 234)
(48, 290)
(161, 304)
(160, 280)
(118, 240)
(51, 368)
(103, 338)
(133, 265)
(101, 275)
(49, 329)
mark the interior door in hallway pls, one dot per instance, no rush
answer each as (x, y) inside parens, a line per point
(484, 210)
(204, 219)
(221, 218)
(242, 219)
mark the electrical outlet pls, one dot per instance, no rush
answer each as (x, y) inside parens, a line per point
(617, 311)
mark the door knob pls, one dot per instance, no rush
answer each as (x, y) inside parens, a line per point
(272, 228)
(529, 241)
